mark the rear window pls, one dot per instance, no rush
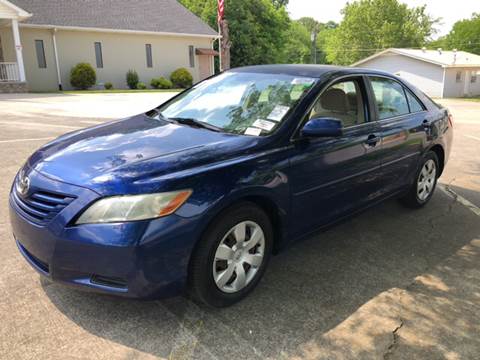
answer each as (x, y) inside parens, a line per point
(415, 106)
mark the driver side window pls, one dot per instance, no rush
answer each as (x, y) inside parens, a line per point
(342, 101)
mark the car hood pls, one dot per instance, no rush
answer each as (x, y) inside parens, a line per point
(109, 157)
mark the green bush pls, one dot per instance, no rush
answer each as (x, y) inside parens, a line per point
(181, 78)
(141, 86)
(132, 79)
(154, 83)
(161, 83)
(108, 85)
(83, 76)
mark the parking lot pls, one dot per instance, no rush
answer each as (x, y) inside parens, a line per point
(390, 283)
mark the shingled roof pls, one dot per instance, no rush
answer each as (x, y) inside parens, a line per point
(164, 16)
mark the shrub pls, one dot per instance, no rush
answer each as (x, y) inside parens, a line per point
(141, 86)
(132, 79)
(181, 78)
(108, 85)
(83, 76)
(154, 83)
(161, 83)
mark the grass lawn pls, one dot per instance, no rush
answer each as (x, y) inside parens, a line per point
(116, 91)
(472, 99)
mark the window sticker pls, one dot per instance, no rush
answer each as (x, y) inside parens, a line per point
(303, 81)
(264, 95)
(297, 92)
(278, 113)
(264, 124)
(253, 131)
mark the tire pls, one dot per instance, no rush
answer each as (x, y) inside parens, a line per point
(214, 274)
(415, 198)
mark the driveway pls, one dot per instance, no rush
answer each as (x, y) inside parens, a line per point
(391, 283)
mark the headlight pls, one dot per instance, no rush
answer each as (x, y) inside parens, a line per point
(135, 207)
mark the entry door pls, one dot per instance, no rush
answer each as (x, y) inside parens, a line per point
(1, 51)
(204, 66)
(331, 177)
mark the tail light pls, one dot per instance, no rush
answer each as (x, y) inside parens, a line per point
(450, 120)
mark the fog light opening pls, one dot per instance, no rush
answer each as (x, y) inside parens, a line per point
(109, 281)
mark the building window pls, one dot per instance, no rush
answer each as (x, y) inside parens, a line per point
(191, 53)
(148, 49)
(459, 76)
(473, 79)
(98, 55)
(40, 49)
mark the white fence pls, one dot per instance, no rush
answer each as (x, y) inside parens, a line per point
(9, 72)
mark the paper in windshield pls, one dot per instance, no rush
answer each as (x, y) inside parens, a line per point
(278, 113)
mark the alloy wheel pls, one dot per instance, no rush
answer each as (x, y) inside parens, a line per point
(239, 256)
(426, 180)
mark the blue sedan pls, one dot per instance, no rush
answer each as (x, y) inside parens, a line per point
(194, 196)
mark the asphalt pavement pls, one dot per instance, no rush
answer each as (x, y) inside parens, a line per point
(391, 283)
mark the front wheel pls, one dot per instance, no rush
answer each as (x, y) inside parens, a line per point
(232, 256)
(425, 183)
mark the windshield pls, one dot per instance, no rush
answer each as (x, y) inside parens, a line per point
(240, 103)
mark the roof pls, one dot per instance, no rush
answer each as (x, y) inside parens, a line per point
(314, 71)
(12, 11)
(305, 70)
(162, 16)
(438, 57)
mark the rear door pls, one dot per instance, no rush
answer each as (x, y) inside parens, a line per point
(402, 122)
(333, 176)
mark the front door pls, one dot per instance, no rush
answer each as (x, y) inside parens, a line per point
(333, 176)
(1, 51)
(204, 66)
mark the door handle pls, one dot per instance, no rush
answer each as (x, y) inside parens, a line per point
(372, 140)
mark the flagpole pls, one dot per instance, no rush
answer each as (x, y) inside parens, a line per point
(219, 46)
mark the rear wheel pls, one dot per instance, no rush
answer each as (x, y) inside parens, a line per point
(425, 182)
(232, 256)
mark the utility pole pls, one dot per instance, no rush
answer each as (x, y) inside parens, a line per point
(313, 37)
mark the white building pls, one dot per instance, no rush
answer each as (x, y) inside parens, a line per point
(41, 40)
(438, 73)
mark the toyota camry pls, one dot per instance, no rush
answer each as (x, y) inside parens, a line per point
(193, 197)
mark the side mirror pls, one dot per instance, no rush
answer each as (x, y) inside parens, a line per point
(322, 127)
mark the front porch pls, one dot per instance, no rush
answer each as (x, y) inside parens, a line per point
(12, 73)
(10, 80)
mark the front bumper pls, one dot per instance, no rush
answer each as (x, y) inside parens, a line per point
(134, 259)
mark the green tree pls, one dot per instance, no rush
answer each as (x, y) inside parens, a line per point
(465, 35)
(297, 48)
(279, 3)
(322, 32)
(258, 29)
(372, 25)
(326, 32)
(312, 25)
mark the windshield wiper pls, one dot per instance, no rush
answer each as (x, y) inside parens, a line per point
(196, 123)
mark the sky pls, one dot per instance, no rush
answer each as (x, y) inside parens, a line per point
(449, 10)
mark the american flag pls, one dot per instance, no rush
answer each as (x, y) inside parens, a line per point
(221, 10)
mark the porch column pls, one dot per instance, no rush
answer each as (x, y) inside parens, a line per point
(18, 50)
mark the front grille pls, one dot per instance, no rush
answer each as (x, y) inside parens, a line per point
(42, 206)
